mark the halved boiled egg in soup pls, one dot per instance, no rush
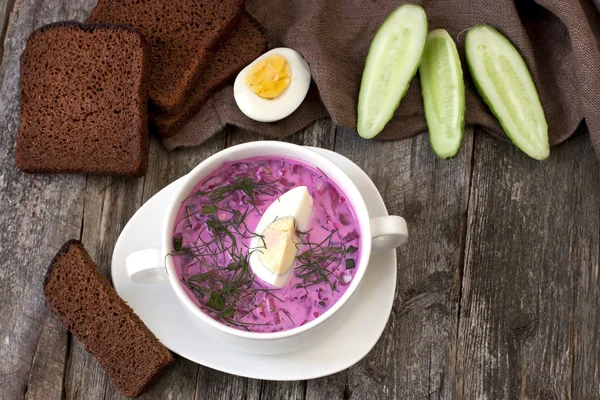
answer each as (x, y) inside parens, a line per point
(273, 86)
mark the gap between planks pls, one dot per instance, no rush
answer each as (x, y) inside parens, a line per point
(460, 265)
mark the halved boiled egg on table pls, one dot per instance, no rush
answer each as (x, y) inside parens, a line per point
(273, 86)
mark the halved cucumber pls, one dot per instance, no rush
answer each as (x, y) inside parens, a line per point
(503, 80)
(443, 90)
(393, 59)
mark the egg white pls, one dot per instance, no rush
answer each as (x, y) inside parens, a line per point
(264, 110)
(296, 203)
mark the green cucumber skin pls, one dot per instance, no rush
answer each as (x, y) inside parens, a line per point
(486, 99)
(367, 63)
(444, 153)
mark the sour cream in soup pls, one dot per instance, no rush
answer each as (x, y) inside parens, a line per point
(215, 242)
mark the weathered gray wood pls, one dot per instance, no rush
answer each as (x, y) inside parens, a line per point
(6, 7)
(27, 16)
(216, 385)
(334, 387)
(525, 327)
(47, 368)
(413, 359)
(166, 167)
(270, 390)
(109, 203)
(530, 309)
(320, 133)
(39, 214)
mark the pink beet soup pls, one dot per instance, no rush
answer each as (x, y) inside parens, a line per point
(212, 234)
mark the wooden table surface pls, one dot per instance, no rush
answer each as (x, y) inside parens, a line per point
(497, 294)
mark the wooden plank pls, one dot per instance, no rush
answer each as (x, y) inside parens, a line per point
(166, 167)
(529, 313)
(6, 7)
(216, 385)
(270, 390)
(414, 357)
(109, 203)
(334, 387)
(318, 134)
(41, 212)
(28, 15)
(47, 367)
(107, 210)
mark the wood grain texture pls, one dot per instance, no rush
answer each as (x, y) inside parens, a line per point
(166, 167)
(414, 357)
(39, 214)
(521, 320)
(320, 133)
(530, 307)
(18, 18)
(109, 203)
(216, 385)
(45, 380)
(6, 6)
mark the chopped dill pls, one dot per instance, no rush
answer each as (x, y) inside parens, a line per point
(287, 314)
(324, 174)
(317, 263)
(225, 284)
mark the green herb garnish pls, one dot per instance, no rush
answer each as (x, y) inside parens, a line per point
(316, 264)
(245, 185)
(287, 314)
(350, 263)
(177, 242)
(209, 209)
(225, 284)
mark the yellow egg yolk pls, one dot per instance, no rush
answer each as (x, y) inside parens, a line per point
(269, 77)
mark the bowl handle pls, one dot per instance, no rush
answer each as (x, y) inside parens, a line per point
(146, 267)
(388, 232)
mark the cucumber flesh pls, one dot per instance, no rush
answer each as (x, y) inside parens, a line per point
(443, 90)
(503, 80)
(391, 63)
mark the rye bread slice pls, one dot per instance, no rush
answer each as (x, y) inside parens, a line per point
(84, 93)
(180, 33)
(91, 309)
(243, 46)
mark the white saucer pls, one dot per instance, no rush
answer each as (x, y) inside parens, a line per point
(159, 308)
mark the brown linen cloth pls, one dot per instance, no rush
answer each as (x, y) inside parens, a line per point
(557, 38)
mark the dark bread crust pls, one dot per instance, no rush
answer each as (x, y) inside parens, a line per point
(61, 252)
(84, 27)
(89, 307)
(181, 34)
(244, 45)
(53, 136)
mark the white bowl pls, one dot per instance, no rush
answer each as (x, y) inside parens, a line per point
(153, 265)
